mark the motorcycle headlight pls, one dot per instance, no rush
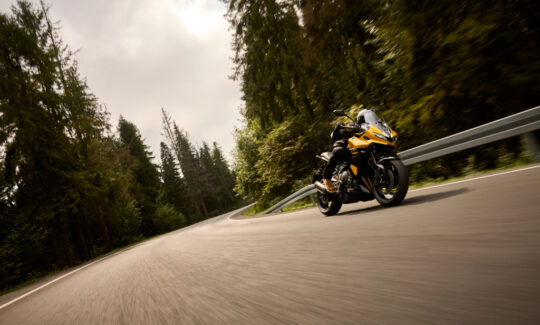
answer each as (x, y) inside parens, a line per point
(380, 136)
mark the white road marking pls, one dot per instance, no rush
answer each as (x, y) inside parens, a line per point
(475, 178)
(53, 281)
(87, 265)
(415, 190)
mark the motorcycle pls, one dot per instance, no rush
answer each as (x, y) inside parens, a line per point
(371, 172)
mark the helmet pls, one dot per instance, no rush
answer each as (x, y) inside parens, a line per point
(360, 118)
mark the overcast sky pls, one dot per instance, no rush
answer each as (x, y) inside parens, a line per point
(141, 55)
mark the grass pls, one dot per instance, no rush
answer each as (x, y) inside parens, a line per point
(441, 180)
(259, 209)
(300, 204)
(28, 282)
(256, 209)
(307, 203)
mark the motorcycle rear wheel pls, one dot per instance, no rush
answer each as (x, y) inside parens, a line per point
(391, 190)
(327, 206)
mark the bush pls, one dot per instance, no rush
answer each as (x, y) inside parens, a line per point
(168, 219)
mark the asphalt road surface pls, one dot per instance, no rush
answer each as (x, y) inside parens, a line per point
(461, 253)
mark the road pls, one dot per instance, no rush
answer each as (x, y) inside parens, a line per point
(461, 253)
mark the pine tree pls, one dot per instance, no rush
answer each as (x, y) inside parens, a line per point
(145, 172)
(207, 178)
(174, 189)
(224, 177)
(48, 122)
(190, 166)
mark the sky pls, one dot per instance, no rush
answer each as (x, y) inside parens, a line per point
(141, 55)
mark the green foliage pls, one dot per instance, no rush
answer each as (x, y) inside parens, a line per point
(430, 68)
(224, 178)
(246, 155)
(298, 143)
(71, 190)
(206, 178)
(49, 122)
(168, 218)
(173, 190)
(125, 221)
(145, 173)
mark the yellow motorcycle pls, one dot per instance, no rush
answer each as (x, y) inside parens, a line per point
(373, 171)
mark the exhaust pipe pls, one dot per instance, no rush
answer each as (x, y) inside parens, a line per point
(320, 187)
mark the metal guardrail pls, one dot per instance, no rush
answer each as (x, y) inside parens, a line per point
(512, 125)
(298, 195)
(507, 127)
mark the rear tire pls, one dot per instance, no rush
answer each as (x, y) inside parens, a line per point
(326, 206)
(393, 196)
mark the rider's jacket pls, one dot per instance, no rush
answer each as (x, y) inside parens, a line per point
(342, 133)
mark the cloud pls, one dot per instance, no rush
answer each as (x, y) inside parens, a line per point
(139, 56)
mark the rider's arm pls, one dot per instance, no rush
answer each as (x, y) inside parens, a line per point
(349, 130)
(337, 133)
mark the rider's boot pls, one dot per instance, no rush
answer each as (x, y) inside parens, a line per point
(330, 188)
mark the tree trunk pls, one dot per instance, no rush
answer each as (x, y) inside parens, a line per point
(104, 228)
(67, 248)
(59, 256)
(82, 239)
(203, 205)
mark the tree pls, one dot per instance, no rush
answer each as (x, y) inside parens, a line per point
(69, 189)
(208, 180)
(248, 178)
(49, 121)
(224, 178)
(145, 173)
(173, 186)
(430, 69)
(188, 161)
(206, 177)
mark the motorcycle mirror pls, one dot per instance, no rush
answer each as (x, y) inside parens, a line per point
(339, 112)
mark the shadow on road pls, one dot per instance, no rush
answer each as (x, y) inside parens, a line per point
(414, 200)
(434, 196)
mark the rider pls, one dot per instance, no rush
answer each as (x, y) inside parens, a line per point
(340, 135)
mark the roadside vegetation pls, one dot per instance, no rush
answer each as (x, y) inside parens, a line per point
(75, 185)
(72, 185)
(307, 202)
(430, 69)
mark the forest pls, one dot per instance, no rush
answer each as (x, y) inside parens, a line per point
(429, 68)
(73, 186)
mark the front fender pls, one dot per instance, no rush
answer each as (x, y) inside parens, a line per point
(388, 159)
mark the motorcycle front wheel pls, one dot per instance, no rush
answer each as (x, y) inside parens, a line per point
(327, 206)
(391, 187)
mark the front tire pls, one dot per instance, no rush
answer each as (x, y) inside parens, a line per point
(328, 206)
(391, 189)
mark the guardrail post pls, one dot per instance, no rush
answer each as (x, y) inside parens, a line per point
(312, 200)
(530, 140)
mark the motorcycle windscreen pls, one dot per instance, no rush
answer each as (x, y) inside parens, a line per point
(372, 119)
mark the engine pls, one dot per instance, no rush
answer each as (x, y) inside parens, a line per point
(346, 178)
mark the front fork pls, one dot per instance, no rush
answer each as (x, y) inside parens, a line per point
(378, 169)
